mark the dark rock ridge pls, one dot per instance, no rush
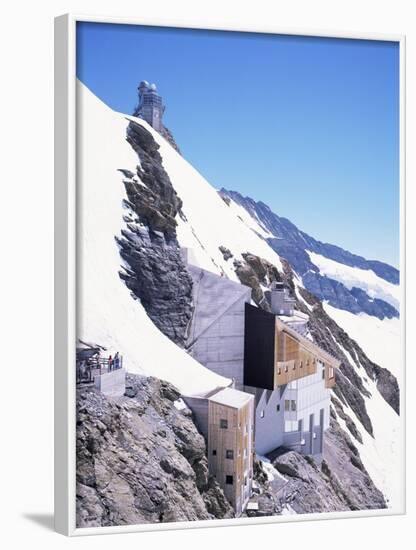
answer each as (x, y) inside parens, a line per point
(167, 134)
(155, 271)
(291, 244)
(140, 460)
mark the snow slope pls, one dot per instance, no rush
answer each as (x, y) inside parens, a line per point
(381, 455)
(380, 340)
(366, 279)
(210, 222)
(108, 315)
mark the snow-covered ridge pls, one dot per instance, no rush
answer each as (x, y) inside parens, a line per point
(365, 279)
(108, 314)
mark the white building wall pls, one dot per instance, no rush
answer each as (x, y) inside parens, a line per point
(269, 420)
(311, 396)
(275, 428)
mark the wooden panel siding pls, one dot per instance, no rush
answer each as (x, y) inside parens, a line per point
(297, 356)
(276, 354)
(237, 437)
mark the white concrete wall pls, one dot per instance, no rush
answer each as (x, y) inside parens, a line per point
(199, 406)
(269, 425)
(311, 396)
(112, 384)
(216, 336)
(221, 347)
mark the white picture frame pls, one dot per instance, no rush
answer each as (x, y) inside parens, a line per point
(66, 269)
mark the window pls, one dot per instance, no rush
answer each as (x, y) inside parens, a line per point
(214, 452)
(223, 423)
(287, 405)
(323, 374)
(278, 407)
(229, 454)
(279, 371)
(229, 480)
(262, 413)
(301, 365)
(294, 365)
(245, 480)
(331, 372)
(293, 405)
(286, 368)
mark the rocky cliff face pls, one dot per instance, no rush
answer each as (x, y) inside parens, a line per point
(292, 243)
(141, 460)
(339, 483)
(155, 272)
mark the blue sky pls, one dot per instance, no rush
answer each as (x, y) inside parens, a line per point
(310, 126)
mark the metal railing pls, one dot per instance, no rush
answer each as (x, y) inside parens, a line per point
(88, 369)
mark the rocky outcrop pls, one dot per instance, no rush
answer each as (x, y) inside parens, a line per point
(256, 272)
(140, 460)
(154, 271)
(292, 244)
(226, 253)
(339, 483)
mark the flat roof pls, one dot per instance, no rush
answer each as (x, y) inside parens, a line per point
(231, 397)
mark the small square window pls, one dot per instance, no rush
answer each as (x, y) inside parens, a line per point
(229, 480)
(323, 374)
(293, 405)
(286, 368)
(301, 365)
(214, 452)
(229, 454)
(278, 407)
(287, 405)
(223, 423)
(262, 413)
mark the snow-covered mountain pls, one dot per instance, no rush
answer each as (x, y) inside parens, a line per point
(345, 280)
(140, 202)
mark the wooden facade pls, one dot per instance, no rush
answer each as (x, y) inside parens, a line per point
(231, 448)
(292, 357)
